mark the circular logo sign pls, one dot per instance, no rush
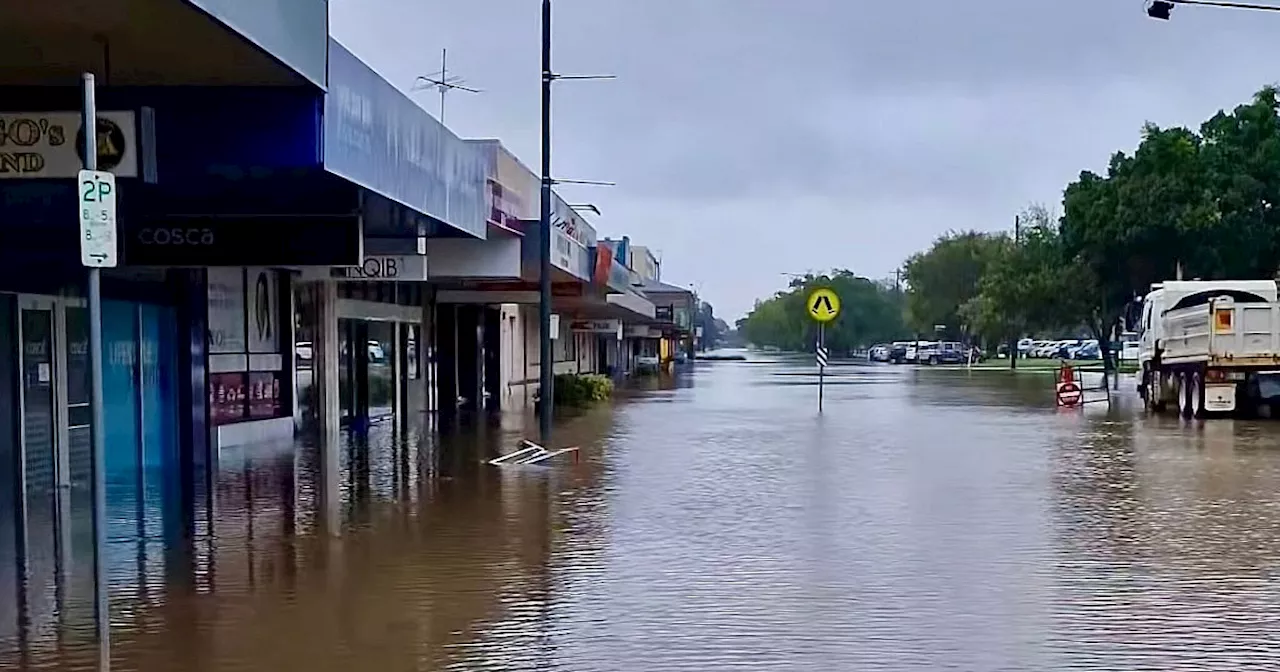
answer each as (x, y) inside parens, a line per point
(110, 143)
(823, 305)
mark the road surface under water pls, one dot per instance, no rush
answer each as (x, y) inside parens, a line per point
(928, 520)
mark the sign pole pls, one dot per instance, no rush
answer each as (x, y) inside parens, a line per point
(101, 610)
(823, 306)
(822, 346)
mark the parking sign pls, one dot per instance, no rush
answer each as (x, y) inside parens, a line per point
(97, 191)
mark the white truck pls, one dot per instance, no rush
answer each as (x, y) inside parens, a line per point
(1208, 347)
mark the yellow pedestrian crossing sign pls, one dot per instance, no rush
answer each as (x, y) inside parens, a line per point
(823, 305)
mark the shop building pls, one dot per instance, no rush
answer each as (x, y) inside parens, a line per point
(189, 186)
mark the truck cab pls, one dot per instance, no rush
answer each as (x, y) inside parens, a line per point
(1149, 324)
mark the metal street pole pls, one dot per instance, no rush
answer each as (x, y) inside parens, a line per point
(546, 368)
(102, 606)
(822, 344)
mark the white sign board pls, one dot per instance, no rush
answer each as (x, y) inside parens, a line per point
(599, 327)
(97, 191)
(555, 327)
(49, 144)
(226, 310)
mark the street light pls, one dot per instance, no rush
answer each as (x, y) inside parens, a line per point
(586, 206)
(1161, 9)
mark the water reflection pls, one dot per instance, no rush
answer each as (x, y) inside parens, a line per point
(928, 520)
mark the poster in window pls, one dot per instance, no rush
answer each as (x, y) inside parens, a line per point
(227, 397)
(263, 291)
(264, 395)
(226, 310)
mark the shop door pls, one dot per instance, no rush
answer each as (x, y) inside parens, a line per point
(45, 442)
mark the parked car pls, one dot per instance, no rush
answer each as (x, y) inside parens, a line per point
(1073, 351)
(898, 352)
(951, 352)
(1090, 350)
(878, 353)
(924, 352)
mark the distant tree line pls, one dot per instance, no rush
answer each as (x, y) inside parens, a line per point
(1202, 204)
(871, 312)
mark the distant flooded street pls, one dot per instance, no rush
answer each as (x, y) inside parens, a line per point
(930, 519)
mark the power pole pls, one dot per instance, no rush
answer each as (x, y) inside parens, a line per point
(1013, 341)
(546, 367)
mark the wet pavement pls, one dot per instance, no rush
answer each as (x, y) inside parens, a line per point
(928, 520)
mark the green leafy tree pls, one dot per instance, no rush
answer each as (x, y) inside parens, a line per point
(946, 277)
(870, 313)
(1031, 285)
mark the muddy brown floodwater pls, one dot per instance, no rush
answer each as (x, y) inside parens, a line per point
(929, 520)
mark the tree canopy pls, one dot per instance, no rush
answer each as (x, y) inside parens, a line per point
(870, 312)
(1195, 203)
(1200, 204)
(945, 277)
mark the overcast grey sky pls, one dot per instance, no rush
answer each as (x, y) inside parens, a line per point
(751, 138)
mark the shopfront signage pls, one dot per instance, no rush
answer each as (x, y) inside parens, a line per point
(598, 327)
(384, 267)
(241, 240)
(378, 138)
(513, 188)
(642, 331)
(51, 144)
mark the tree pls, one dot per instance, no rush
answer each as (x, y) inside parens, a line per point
(713, 329)
(870, 313)
(1032, 284)
(946, 277)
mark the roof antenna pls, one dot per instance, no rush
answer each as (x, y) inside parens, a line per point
(442, 82)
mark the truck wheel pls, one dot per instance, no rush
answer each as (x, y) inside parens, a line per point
(1150, 391)
(1156, 393)
(1184, 396)
(1197, 395)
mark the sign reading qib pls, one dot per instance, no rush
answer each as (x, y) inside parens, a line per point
(404, 267)
(385, 267)
(51, 144)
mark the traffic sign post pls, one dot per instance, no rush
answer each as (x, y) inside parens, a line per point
(97, 194)
(823, 306)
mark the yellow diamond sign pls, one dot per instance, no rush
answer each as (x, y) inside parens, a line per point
(823, 305)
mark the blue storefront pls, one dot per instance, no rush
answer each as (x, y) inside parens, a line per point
(277, 151)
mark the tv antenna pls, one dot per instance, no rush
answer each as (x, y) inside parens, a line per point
(442, 82)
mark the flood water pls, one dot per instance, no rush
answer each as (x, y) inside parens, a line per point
(927, 520)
